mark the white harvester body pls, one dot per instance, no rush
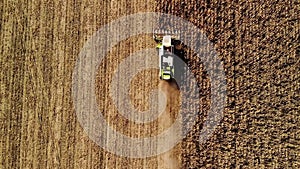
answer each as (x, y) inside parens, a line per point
(166, 58)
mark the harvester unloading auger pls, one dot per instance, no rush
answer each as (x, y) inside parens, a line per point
(165, 44)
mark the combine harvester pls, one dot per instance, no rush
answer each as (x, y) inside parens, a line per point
(165, 45)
